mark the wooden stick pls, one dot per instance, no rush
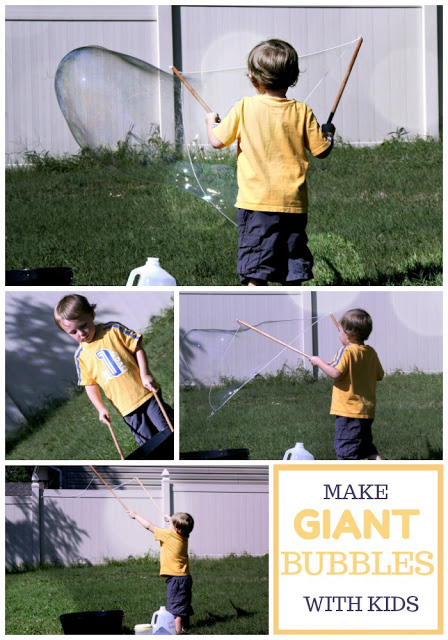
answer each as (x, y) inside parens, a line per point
(110, 489)
(344, 82)
(162, 409)
(192, 91)
(150, 496)
(249, 326)
(335, 321)
(109, 424)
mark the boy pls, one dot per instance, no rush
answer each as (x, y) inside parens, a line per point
(111, 356)
(355, 370)
(273, 134)
(174, 564)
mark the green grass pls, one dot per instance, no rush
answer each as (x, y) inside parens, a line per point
(35, 599)
(269, 415)
(375, 219)
(70, 429)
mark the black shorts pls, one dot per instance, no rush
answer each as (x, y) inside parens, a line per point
(148, 419)
(178, 596)
(353, 439)
(273, 247)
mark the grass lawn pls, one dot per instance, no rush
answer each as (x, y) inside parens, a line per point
(269, 415)
(230, 595)
(375, 219)
(70, 430)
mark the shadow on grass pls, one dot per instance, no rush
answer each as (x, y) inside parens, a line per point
(417, 274)
(214, 618)
(37, 419)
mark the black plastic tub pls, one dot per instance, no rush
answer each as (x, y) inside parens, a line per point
(49, 276)
(160, 447)
(93, 623)
(216, 454)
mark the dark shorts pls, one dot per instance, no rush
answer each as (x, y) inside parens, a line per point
(273, 247)
(148, 419)
(353, 438)
(178, 595)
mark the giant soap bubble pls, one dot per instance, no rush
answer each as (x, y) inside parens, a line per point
(141, 120)
(224, 361)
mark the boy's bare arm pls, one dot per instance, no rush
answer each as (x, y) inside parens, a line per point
(145, 523)
(95, 398)
(211, 119)
(330, 371)
(145, 374)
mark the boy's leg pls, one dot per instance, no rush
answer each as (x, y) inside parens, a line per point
(300, 259)
(148, 419)
(155, 414)
(258, 233)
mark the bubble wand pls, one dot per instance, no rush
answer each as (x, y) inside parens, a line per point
(335, 322)
(150, 496)
(345, 80)
(191, 90)
(114, 438)
(267, 335)
(110, 489)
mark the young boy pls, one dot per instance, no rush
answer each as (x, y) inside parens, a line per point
(111, 356)
(273, 134)
(174, 564)
(355, 370)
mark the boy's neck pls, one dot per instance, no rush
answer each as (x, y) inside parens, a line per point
(272, 93)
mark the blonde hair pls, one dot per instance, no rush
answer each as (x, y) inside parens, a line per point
(72, 307)
(357, 323)
(273, 64)
(183, 523)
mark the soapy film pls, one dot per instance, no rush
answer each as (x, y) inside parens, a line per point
(142, 121)
(225, 361)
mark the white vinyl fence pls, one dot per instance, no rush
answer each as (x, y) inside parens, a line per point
(90, 526)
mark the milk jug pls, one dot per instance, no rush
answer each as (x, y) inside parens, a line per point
(298, 453)
(151, 274)
(163, 619)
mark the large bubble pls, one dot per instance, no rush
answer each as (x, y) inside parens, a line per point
(224, 361)
(143, 121)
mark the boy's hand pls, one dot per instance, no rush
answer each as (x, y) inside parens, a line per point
(315, 360)
(166, 518)
(131, 514)
(328, 128)
(148, 382)
(104, 416)
(212, 118)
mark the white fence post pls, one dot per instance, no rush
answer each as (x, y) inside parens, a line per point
(36, 519)
(166, 492)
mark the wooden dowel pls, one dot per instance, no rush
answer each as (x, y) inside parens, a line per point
(192, 91)
(110, 488)
(109, 424)
(150, 496)
(344, 82)
(335, 321)
(249, 326)
(162, 409)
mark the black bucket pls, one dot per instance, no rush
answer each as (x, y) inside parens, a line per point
(216, 454)
(93, 623)
(50, 276)
(159, 447)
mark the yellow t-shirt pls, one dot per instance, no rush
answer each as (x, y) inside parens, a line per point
(273, 136)
(173, 552)
(109, 361)
(354, 393)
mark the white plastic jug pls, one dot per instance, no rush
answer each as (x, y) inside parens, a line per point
(151, 274)
(298, 453)
(163, 618)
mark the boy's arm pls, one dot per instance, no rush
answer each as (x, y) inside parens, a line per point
(211, 119)
(145, 523)
(145, 374)
(330, 371)
(95, 398)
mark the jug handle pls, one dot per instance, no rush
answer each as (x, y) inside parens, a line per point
(132, 275)
(285, 457)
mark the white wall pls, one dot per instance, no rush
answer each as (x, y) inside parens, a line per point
(407, 330)
(38, 37)
(39, 357)
(394, 83)
(90, 525)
